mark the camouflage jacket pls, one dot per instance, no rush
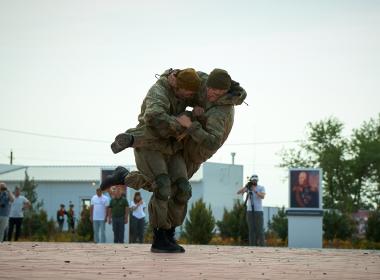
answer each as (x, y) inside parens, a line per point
(209, 134)
(157, 120)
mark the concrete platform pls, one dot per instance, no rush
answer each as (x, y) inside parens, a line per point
(53, 261)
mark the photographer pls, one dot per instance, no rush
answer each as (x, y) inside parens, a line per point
(6, 197)
(255, 216)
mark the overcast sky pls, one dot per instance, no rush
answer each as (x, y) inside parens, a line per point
(82, 68)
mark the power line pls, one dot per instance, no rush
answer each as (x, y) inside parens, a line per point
(107, 142)
(54, 136)
(262, 143)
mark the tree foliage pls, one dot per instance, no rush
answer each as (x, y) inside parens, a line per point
(85, 231)
(373, 228)
(234, 223)
(199, 227)
(279, 224)
(338, 225)
(36, 225)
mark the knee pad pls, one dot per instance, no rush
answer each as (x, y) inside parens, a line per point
(163, 187)
(183, 191)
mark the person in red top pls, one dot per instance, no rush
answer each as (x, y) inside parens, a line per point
(61, 216)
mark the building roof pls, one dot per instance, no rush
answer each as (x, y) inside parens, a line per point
(65, 173)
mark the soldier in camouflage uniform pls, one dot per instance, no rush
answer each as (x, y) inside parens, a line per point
(201, 139)
(207, 133)
(166, 99)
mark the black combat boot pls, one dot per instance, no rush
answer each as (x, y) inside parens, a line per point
(161, 244)
(122, 141)
(170, 236)
(117, 178)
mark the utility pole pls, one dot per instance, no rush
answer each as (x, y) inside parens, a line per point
(11, 157)
(233, 154)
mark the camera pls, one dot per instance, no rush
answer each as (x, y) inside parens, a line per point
(249, 186)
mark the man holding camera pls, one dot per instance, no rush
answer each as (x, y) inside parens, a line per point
(6, 198)
(255, 214)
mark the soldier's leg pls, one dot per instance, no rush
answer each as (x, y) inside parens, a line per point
(181, 189)
(154, 166)
(132, 138)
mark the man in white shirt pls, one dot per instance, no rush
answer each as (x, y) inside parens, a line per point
(98, 213)
(16, 213)
(255, 214)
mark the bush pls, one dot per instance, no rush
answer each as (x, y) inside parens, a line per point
(84, 230)
(200, 225)
(36, 226)
(373, 226)
(337, 225)
(279, 225)
(234, 224)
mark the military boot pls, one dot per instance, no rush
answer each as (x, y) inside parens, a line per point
(122, 141)
(117, 178)
(161, 244)
(170, 236)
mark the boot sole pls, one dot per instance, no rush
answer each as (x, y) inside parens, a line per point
(155, 250)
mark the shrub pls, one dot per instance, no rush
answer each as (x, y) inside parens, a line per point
(337, 225)
(234, 224)
(279, 225)
(200, 225)
(373, 227)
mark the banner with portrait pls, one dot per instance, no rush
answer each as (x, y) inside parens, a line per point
(305, 188)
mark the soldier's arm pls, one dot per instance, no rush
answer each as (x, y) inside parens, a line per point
(212, 135)
(237, 93)
(157, 113)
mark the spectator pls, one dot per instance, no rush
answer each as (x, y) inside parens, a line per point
(118, 214)
(98, 212)
(6, 198)
(16, 214)
(255, 214)
(137, 219)
(61, 216)
(71, 218)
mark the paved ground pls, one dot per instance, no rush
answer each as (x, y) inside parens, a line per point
(53, 261)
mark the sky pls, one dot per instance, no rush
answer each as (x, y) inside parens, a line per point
(81, 69)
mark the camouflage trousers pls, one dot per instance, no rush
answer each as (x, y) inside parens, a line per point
(151, 164)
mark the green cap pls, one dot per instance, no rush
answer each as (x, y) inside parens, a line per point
(219, 79)
(188, 79)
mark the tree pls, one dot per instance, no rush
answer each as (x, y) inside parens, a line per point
(200, 225)
(373, 228)
(279, 224)
(365, 149)
(84, 229)
(28, 188)
(337, 225)
(234, 223)
(36, 225)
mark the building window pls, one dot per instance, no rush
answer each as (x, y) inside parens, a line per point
(86, 202)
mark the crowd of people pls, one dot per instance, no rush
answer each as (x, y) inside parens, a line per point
(113, 208)
(116, 210)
